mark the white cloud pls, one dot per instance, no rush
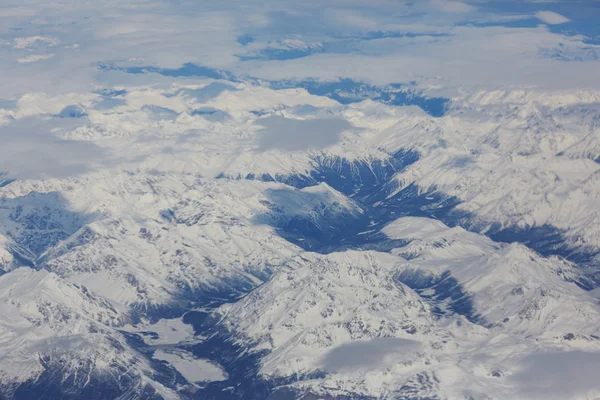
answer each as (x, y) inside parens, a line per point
(296, 134)
(30, 149)
(169, 34)
(34, 58)
(35, 41)
(368, 355)
(559, 375)
(352, 19)
(470, 57)
(552, 18)
(452, 6)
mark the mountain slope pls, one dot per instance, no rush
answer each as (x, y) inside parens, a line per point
(344, 324)
(56, 335)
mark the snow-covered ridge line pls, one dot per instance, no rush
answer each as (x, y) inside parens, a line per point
(320, 307)
(150, 232)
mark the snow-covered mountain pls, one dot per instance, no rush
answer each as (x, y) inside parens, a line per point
(57, 338)
(208, 234)
(377, 325)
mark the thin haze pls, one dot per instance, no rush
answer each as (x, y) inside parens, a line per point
(296, 134)
(30, 149)
(365, 355)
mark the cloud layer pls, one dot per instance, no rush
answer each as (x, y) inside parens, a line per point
(551, 17)
(296, 134)
(441, 46)
(30, 149)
